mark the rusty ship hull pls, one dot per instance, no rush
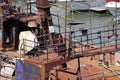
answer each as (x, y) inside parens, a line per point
(54, 55)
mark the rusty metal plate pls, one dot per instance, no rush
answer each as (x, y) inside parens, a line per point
(27, 71)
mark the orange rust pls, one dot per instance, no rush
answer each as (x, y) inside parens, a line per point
(97, 51)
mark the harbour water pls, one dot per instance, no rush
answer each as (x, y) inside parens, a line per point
(91, 21)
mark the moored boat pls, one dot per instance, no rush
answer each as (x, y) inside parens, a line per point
(114, 7)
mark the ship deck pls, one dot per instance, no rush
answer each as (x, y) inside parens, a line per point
(94, 68)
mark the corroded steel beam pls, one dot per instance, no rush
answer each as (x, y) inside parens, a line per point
(42, 4)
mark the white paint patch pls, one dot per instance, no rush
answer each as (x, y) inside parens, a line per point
(30, 41)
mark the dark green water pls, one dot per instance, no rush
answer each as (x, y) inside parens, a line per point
(98, 22)
(90, 19)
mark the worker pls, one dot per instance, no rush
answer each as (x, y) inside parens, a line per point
(29, 41)
(7, 32)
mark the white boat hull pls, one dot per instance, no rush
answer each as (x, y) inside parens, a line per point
(114, 8)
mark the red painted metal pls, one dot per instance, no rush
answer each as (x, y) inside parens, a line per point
(112, 0)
